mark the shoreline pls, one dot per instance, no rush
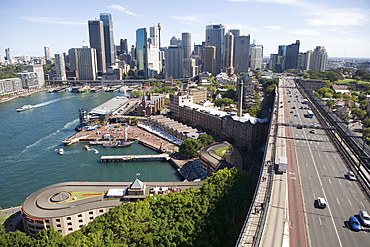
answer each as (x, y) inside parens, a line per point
(18, 95)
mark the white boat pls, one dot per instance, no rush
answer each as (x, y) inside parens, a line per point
(61, 151)
(25, 108)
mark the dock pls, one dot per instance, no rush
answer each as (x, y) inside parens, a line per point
(126, 158)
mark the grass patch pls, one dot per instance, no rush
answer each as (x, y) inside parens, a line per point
(3, 218)
(347, 81)
(78, 195)
(220, 152)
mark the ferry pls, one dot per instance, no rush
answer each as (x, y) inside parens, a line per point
(25, 108)
(117, 144)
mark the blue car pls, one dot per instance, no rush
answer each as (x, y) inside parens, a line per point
(354, 224)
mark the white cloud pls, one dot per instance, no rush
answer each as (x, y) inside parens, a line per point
(339, 17)
(308, 32)
(53, 21)
(120, 8)
(273, 27)
(188, 19)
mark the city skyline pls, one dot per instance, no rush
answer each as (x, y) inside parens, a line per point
(340, 26)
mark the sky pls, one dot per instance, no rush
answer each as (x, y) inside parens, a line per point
(342, 26)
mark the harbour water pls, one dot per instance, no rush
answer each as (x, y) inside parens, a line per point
(30, 140)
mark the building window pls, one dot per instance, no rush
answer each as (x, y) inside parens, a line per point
(48, 226)
(69, 223)
(46, 221)
(59, 225)
(91, 218)
(39, 222)
(80, 221)
(80, 226)
(57, 220)
(80, 215)
(68, 218)
(91, 212)
(101, 211)
(70, 229)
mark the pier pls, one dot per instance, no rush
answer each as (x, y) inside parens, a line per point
(126, 158)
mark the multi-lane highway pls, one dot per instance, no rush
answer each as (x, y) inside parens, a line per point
(315, 169)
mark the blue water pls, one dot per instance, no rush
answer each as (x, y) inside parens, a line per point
(29, 142)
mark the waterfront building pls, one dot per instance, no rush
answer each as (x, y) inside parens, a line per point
(84, 61)
(319, 58)
(96, 36)
(215, 37)
(210, 162)
(60, 67)
(9, 56)
(142, 52)
(29, 80)
(241, 60)
(174, 57)
(228, 60)
(10, 86)
(47, 54)
(106, 18)
(59, 207)
(39, 70)
(291, 57)
(209, 62)
(186, 44)
(150, 105)
(176, 100)
(256, 56)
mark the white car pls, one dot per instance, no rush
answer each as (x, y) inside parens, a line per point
(312, 131)
(364, 218)
(351, 176)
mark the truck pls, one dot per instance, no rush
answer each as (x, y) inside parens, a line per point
(281, 167)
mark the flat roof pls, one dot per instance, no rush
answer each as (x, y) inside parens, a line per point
(110, 106)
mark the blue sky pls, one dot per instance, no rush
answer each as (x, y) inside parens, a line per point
(342, 26)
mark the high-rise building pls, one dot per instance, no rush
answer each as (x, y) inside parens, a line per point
(215, 37)
(241, 60)
(304, 60)
(154, 36)
(47, 54)
(209, 63)
(228, 60)
(123, 46)
(235, 32)
(319, 58)
(256, 56)
(60, 67)
(9, 56)
(190, 67)
(106, 18)
(174, 57)
(186, 44)
(96, 35)
(175, 41)
(84, 61)
(142, 52)
(39, 70)
(291, 58)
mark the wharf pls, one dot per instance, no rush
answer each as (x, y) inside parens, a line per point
(125, 158)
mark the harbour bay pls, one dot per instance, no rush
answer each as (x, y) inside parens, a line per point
(30, 140)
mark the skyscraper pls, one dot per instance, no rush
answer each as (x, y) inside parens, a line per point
(60, 66)
(124, 46)
(256, 56)
(319, 58)
(215, 37)
(291, 58)
(142, 52)
(174, 41)
(154, 36)
(186, 44)
(9, 56)
(96, 35)
(241, 61)
(228, 60)
(174, 57)
(106, 18)
(84, 61)
(47, 54)
(209, 63)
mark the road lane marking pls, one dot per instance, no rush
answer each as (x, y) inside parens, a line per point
(324, 167)
(338, 200)
(309, 177)
(320, 220)
(329, 181)
(332, 167)
(362, 204)
(319, 154)
(340, 182)
(349, 202)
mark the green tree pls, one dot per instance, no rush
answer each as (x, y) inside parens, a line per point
(230, 93)
(366, 122)
(254, 111)
(206, 139)
(16, 238)
(366, 132)
(357, 112)
(330, 104)
(136, 93)
(190, 147)
(224, 102)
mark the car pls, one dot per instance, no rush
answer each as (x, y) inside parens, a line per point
(354, 224)
(321, 203)
(315, 125)
(293, 107)
(296, 115)
(288, 101)
(312, 132)
(351, 176)
(364, 218)
(291, 111)
(299, 126)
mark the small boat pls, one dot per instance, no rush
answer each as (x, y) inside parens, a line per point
(117, 144)
(86, 147)
(25, 108)
(61, 151)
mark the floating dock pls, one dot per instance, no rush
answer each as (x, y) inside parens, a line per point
(126, 158)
